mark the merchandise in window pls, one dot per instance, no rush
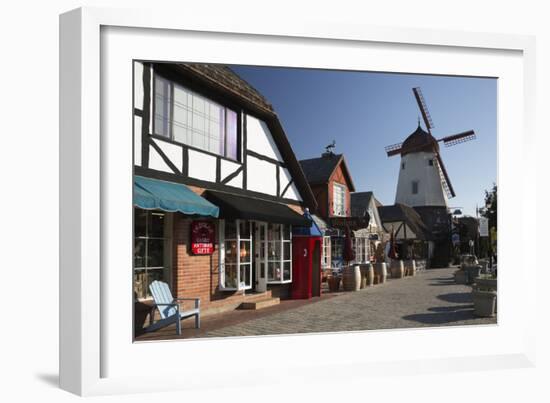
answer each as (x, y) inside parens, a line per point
(235, 255)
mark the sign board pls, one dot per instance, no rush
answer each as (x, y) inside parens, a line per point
(202, 237)
(354, 223)
(483, 226)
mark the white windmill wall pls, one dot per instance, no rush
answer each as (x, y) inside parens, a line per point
(417, 168)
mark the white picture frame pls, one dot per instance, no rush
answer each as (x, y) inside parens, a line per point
(96, 354)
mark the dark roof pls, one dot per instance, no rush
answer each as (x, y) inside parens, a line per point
(360, 203)
(319, 170)
(418, 141)
(401, 212)
(229, 80)
(248, 208)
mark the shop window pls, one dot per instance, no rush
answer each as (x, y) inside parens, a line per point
(339, 199)
(152, 250)
(235, 255)
(187, 117)
(361, 247)
(337, 252)
(325, 257)
(279, 253)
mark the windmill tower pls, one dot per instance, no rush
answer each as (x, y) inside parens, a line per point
(424, 183)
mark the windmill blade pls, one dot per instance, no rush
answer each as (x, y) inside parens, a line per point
(458, 138)
(393, 149)
(445, 181)
(423, 108)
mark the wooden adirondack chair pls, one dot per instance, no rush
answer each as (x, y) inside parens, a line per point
(169, 308)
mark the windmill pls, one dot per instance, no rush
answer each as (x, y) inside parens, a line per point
(418, 186)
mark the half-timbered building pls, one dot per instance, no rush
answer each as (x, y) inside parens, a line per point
(211, 148)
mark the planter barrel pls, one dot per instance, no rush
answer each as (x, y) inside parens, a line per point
(364, 275)
(397, 268)
(472, 272)
(370, 275)
(460, 277)
(485, 303)
(410, 267)
(381, 271)
(351, 278)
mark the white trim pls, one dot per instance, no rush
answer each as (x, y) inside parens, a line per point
(85, 308)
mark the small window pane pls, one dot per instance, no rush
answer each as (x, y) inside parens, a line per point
(286, 231)
(274, 251)
(162, 106)
(139, 253)
(244, 229)
(140, 222)
(231, 134)
(230, 252)
(156, 229)
(245, 275)
(286, 250)
(286, 271)
(274, 271)
(230, 230)
(155, 252)
(231, 276)
(244, 251)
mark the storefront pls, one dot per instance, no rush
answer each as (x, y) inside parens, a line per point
(217, 188)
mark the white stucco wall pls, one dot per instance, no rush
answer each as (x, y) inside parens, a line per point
(259, 139)
(202, 166)
(261, 176)
(430, 189)
(138, 85)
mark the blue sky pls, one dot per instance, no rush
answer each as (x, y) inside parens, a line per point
(366, 111)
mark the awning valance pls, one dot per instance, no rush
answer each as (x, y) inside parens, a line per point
(247, 208)
(169, 196)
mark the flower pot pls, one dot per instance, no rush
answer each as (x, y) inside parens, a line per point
(397, 268)
(472, 272)
(410, 267)
(460, 277)
(334, 283)
(484, 303)
(381, 272)
(487, 284)
(351, 278)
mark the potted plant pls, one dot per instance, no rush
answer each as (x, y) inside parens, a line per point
(334, 282)
(484, 295)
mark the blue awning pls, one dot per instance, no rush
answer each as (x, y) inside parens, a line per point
(168, 196)
(311, 230)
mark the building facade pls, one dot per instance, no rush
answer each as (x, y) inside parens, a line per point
(202, 129)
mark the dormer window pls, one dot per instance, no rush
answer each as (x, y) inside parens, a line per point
(339, 199)
(431, 162)
(402, 165)
(189, 118)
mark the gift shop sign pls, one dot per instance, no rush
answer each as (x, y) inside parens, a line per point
(202, 237)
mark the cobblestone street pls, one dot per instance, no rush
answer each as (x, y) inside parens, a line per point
(431, 298)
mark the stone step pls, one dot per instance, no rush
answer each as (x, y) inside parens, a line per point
(259, 304)
(257, 296)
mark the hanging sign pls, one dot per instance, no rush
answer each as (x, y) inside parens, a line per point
(202, 237)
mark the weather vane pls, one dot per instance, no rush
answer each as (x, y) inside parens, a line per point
(330, 147)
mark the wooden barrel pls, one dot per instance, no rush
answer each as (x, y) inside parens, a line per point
(364, 273)
(381, 271)
(351, 278)
(370, 275)
(397, 268)
(410, 267)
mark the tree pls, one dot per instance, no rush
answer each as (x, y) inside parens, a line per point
(490, 211)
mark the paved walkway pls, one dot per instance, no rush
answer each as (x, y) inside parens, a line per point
(430, 298)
